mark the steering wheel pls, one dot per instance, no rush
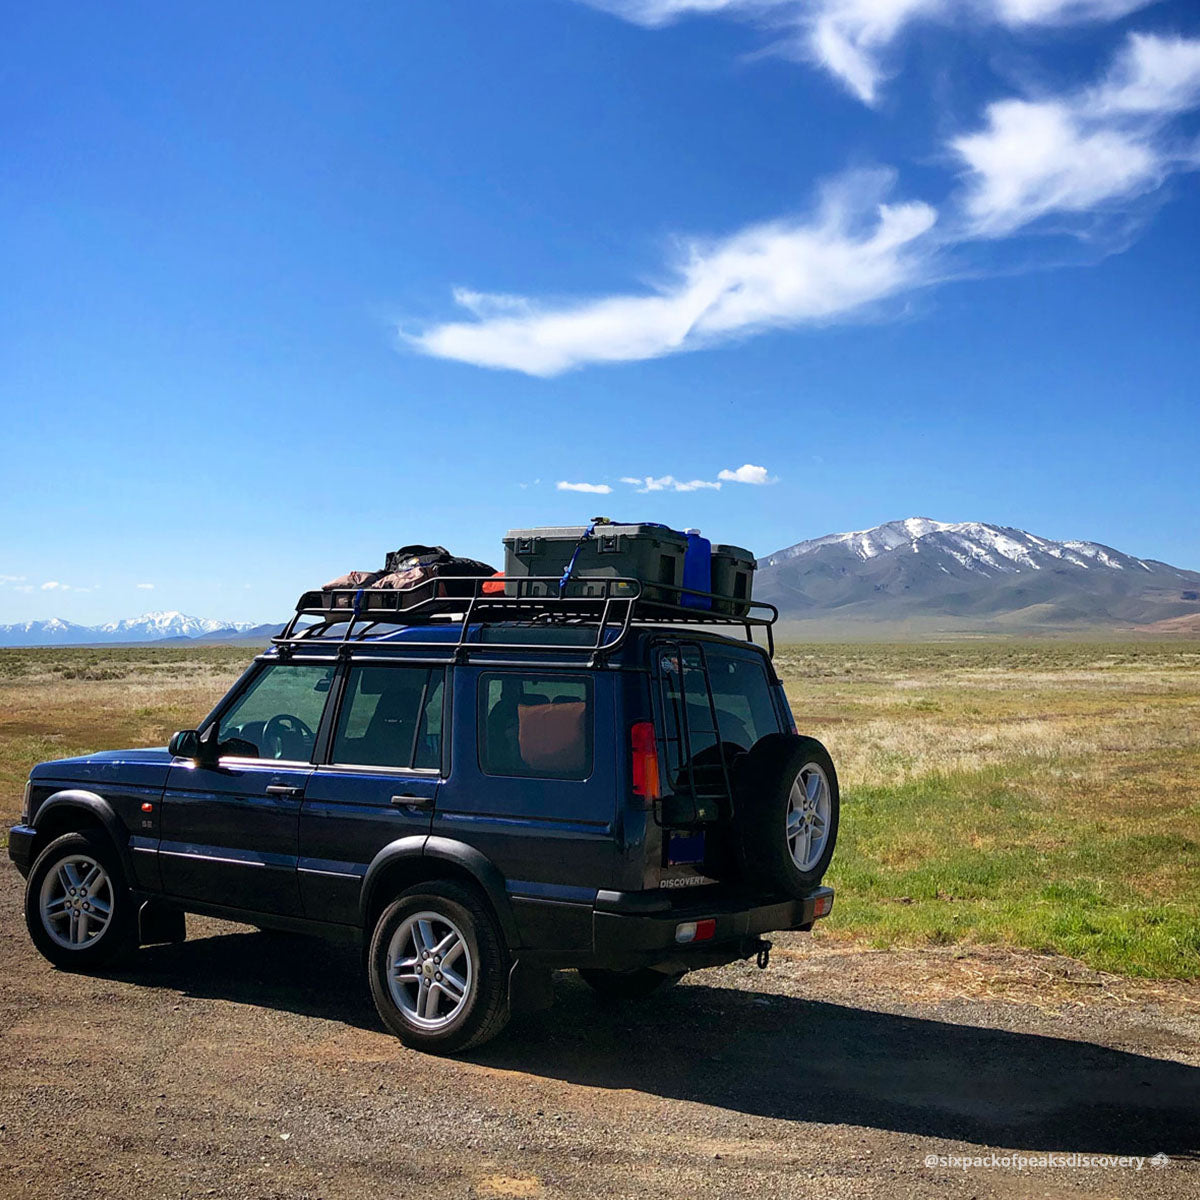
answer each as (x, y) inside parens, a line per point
(282, 729)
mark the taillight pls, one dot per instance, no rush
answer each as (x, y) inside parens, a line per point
(643, 747)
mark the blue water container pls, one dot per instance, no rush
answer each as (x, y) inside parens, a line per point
(697, 569)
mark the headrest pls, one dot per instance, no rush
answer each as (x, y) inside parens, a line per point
(552, 737)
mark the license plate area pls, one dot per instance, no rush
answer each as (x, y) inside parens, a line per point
(685, 849)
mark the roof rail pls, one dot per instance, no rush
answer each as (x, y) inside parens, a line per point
(613, 605)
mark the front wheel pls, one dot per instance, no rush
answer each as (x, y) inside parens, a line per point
(78, 908)
(438, 968)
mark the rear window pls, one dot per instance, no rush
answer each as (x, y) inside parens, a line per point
(742, 709)
(535, 726)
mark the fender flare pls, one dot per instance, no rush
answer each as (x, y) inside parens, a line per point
(89, 802)
(466, 858)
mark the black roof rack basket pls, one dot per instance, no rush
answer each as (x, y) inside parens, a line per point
(348, 617)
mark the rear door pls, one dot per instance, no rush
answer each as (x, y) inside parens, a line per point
(230, 833)
(534, 788)
(715, 701)
(379, 783)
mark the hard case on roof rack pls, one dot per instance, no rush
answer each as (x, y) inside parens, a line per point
(594, 553)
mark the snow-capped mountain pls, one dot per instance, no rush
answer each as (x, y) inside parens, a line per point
(149, 627)
(153, 625)
(989, 575)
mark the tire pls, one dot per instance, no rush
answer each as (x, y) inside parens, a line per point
(787, 793)
(56, 886)
(626, 985)
(436, 1010)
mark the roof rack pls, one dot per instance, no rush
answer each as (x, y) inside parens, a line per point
(612, 605)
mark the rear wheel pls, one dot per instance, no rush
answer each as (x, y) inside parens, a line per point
(78, 908)
(438, 968)
(787, 812)
(626, 985)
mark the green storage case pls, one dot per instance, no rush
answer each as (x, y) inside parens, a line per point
(652, 554)
(733, 578)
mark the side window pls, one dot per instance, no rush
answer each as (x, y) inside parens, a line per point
(278, 714)
(391, 717)
(535, 726)
(742, 697)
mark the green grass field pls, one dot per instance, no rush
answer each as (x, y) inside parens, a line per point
(1038, 794)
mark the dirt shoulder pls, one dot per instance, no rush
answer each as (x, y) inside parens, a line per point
(243, 1064)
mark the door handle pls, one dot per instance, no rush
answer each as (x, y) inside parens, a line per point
(282, 789)
(411, 800)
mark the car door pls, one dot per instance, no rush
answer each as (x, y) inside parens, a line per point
(230, 832)
(538, 795)
(378, 785)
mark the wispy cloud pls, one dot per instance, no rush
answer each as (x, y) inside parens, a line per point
(668, 483)
(8, 580)
(854, 250)
(597, 489)
(850, 38)
(1090, 152)
(748, 473)
(145, 587)
(1082, 151)
(53, 585)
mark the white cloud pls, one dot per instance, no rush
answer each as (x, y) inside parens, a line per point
(598, 489)
(146, 587)
(747, 473)
(1079, 152)
(1151, 75)
(849, 38)
(668, 483)
(854, 250)
(5, 580)
(53, 585)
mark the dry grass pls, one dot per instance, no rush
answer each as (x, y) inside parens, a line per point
(57, 703)
(1034, 794)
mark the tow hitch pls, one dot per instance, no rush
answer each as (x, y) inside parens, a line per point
(764, 955)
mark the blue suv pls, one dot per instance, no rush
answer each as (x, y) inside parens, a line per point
(481, 790)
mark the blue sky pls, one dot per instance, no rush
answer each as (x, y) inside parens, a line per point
(288, 285)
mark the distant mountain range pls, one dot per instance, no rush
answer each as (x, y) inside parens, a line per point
(913, 576)
(149, 627)
(921, 574)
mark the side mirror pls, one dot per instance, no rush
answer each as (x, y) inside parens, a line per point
(185, 744)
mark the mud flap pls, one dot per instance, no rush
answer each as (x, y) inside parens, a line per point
(530, 988)
(160, 922)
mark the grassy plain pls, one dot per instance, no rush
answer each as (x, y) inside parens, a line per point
(1036, 794)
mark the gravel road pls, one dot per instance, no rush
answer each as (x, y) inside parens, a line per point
(245, 1064)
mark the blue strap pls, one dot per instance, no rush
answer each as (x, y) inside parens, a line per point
(566, 575)
(358, 596)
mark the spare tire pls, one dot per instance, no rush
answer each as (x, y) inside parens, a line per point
(786, 812)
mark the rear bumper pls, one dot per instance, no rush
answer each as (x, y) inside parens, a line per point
(20, 846)
(638, 929)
